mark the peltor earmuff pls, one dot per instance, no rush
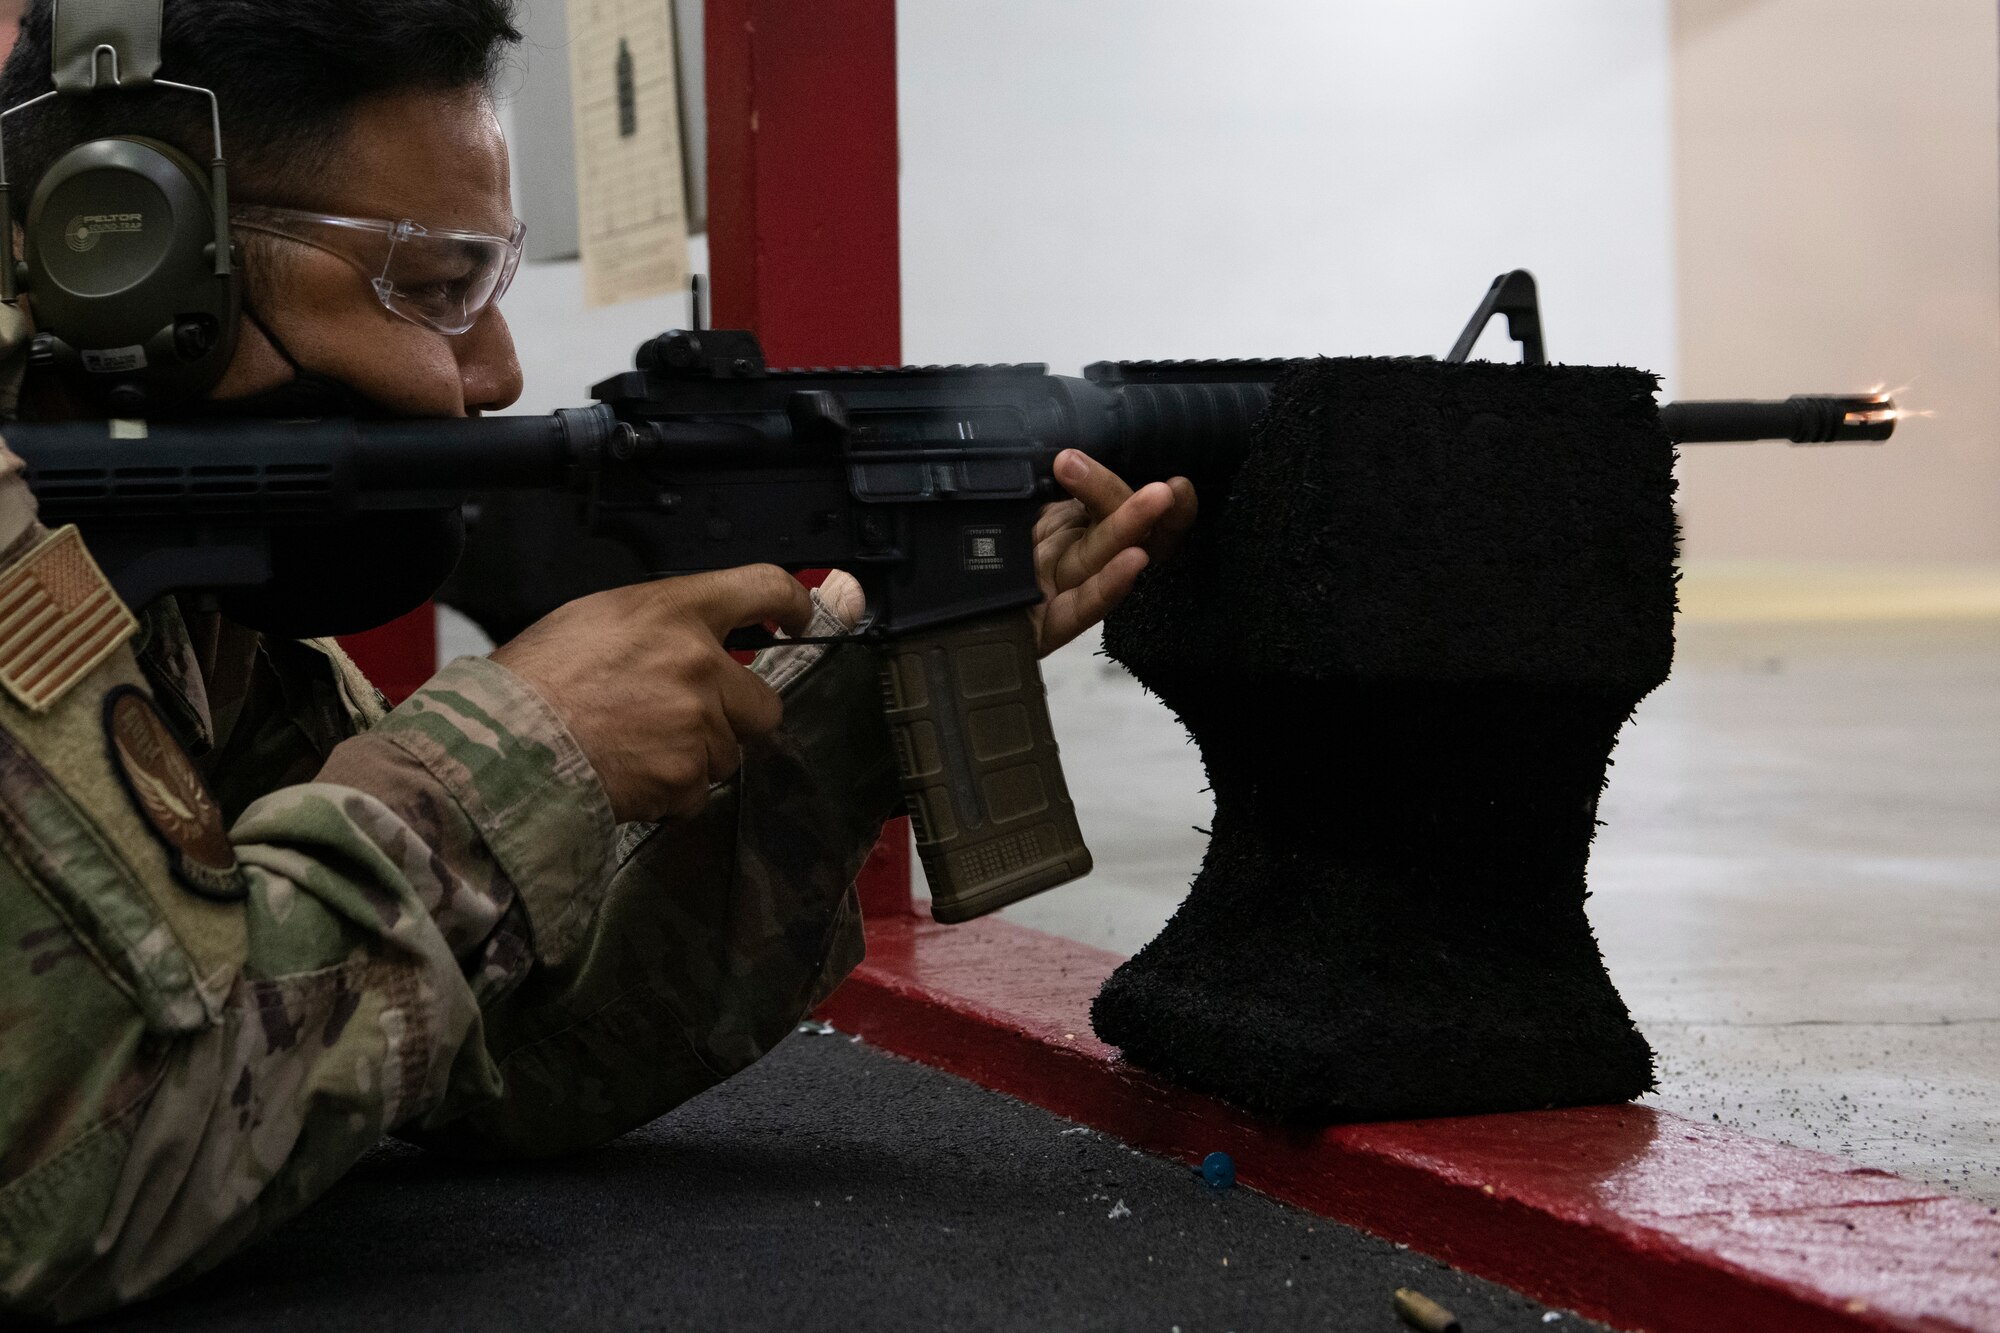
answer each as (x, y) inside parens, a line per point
(134, 290)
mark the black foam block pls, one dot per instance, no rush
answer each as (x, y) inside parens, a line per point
(1406, 639)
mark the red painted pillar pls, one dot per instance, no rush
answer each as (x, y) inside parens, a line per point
(803, 231)
(802, 214)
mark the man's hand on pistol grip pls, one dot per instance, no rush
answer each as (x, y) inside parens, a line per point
(641, 679)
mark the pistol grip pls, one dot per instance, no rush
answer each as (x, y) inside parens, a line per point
(976, 757)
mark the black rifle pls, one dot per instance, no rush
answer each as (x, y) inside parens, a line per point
(923, 482)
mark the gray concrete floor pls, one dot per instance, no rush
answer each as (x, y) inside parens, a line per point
(1797, 887)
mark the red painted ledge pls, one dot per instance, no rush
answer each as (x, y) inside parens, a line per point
(1637, 1217)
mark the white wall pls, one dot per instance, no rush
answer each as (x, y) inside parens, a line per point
(1838, 210)
(1169, 178)
(565, 348)
(1187, 178)
(1728, 194)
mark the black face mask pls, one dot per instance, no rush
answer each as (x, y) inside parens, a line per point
(348, 574)
(308, 396)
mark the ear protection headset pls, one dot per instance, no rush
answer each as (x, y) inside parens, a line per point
(128, 261)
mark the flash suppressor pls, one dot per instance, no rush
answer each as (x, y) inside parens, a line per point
(1804, 418)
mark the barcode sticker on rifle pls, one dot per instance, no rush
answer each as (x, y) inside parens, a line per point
(983, 550)
(630, 197)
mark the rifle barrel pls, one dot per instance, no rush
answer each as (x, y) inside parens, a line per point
(1802, 419)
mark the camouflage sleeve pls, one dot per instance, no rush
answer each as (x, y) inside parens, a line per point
(715, 936)
(190, 1058)
(429, 938)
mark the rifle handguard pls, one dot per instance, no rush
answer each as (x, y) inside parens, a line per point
(977, 760)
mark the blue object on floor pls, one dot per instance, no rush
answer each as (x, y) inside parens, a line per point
(1218, 1171)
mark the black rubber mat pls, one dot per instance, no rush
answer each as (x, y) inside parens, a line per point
(830, 1187)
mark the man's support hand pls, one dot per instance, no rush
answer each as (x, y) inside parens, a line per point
(640, 677)
(1089, 550)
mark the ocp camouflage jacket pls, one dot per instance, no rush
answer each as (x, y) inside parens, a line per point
(423, 922)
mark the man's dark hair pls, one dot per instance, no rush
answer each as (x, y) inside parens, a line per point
(287, 74)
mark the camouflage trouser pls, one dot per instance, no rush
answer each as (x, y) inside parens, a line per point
(438, 938)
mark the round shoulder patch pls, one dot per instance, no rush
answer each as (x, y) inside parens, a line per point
(171, 797)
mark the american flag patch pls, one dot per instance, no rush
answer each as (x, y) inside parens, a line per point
(59, 618)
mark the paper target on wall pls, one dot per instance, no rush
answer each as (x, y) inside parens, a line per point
(630, 191)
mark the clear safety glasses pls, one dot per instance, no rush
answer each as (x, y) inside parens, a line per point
(430, 276)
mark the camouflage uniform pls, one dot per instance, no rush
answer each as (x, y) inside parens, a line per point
(437, 932)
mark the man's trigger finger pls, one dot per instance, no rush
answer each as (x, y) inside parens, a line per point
(751, 595)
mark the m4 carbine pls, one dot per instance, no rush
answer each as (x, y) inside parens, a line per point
(924, 483)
